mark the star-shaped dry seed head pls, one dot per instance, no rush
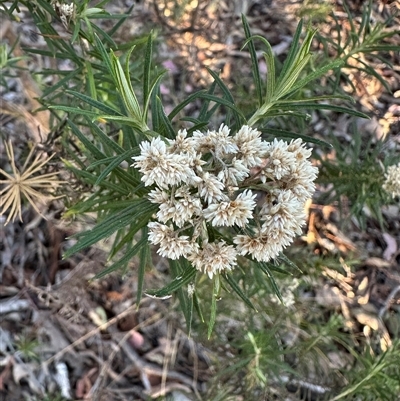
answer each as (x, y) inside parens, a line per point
(26, 183)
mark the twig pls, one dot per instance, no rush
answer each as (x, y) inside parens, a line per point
(146, 367)
(14, 305)
(106, 366)
(92, 333)
(389, 299)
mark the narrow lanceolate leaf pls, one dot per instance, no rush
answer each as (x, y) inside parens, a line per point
(74, 110)
(270, 61)
(104, 55)
(110, 225)
(264, 267)
(147, 68)
(197, 306)
(131, 122)
(305, 138)
(94, 103)
(115, 162)
(177, 267)
(221, 84)
(321, 106)
(94, 151)
(231, 281)
(254, 61)
(316, 74)
(291, 57)
(125, 259)
(153, 87)
(144, 260)
(290, 263)
(179, 281)
(182, 105)
(124, 86)
(204, 108)
(213, 312)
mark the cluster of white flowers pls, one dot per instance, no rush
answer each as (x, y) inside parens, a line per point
(207, 180)
(66, 12)
(392, 181)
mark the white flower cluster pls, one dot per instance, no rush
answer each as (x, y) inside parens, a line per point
(66, 12)
(392, 181)
(205, 180)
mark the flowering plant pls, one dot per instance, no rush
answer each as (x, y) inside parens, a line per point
(214, 201)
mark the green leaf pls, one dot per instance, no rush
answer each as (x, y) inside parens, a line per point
(182, 105)
(144, 260)
(231, 281)
(132, 122)
(105, 139)
(270, 61)
(221, 84)
(147, 69)
(104, 34)
(198, 307)
(291, 57)
(62, 81)
(104, 55)
(124, 87)
(288, 134)
(254, 61)
(125, 259)
(314, 75)
(113, 163)
(177, 267)
(94, 103)
(222, 102)
(321, 106)
(166, 128)
(74, 110)
(154, 86)
(264, 267)
(202, 116)
(179, 281)
(213, 313)
(111, 224)
(94, 151)
(282, 257)
(121, 21)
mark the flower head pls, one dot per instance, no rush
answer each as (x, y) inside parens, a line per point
(219, 143)
(214, 258)
(251, 148)
(229, 213)
(161, 167)
(392, 181)
(171, 245)
(210, 188)
(280, 161)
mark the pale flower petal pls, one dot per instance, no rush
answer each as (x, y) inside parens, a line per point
(171, 245)
(251, 148)
(214, 258)
(229, 213)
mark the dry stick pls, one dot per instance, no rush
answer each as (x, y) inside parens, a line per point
(93, 332)
(147, 367)
(106, 366)
(386, 305)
